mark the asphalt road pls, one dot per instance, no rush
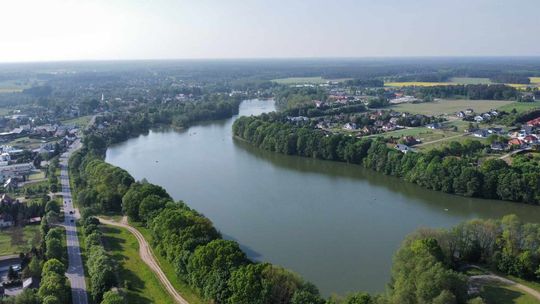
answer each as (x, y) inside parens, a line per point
(75, 271)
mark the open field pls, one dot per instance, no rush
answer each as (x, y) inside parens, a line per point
(520, 106)
(189, 294)
(535, 81)
(443, 143)
(80, 122)
(27, 142)
(142, 284)
(498, 293)
(450, 106)
(17, 240)
(421, 133)
(306, 80)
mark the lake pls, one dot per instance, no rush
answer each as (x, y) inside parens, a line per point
(338, 225)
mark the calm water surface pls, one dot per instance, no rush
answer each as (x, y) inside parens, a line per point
(337, 225)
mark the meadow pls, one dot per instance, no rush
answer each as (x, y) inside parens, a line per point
(535, 81)
(142, 285)
(451, 106)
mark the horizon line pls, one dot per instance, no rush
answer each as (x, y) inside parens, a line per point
(273, 58)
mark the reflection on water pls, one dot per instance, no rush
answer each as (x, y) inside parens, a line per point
(336, 224)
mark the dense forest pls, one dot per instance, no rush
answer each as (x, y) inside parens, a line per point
(452, 169)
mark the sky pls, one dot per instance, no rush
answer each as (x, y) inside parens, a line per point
(57, 30)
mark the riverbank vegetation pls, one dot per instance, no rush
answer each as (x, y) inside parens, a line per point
(426, 269)
(453, 169)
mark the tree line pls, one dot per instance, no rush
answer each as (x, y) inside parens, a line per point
(101, 267)
(452, 169)
(471, 91)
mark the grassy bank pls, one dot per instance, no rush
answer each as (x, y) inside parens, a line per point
(141, 284)
(187, 292)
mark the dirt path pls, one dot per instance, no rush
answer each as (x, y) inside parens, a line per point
(495, 278)
(148, 257)
(441, 139)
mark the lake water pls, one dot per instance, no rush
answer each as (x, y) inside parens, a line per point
(337, 225)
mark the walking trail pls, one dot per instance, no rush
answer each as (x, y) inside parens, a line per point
(491, 277)
(147, 256)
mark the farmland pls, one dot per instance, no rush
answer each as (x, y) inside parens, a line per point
(535, 81)
(450, 106)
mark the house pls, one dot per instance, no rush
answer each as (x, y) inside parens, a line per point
(6, 221)
(499, 146)
(494, 113)
(530, 139)
(318, 103)
(516, 142)
(534, 122)
(402, 148)
(350, 126)
(481, 133)
(469, 111)
(388, 127)
(461, 114)
(434, 126)
(486, 116)
(495, 131)
(410, 140)
(15, 170)
(478, 118)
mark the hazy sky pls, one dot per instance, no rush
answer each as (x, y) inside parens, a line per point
(38, 30)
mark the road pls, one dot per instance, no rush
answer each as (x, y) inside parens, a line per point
(147, 256)
(75, 271)
(491, 277)
(515, 152)
(441, 139)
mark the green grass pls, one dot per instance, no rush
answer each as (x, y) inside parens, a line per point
(520, 106)
(16, 240)
(80, 122)
(187, 292)
(422, 133)
(497, 293)
(36, 176)
(450, 106)
(142, 284)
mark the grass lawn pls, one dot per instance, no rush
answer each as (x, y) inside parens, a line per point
(189, 294)
(497, 293)
(80, 122)
(142, 284)
(441, 144)
(36, 176)
(450, 106)
(520, 106)
(17, 240)
(421, 133)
